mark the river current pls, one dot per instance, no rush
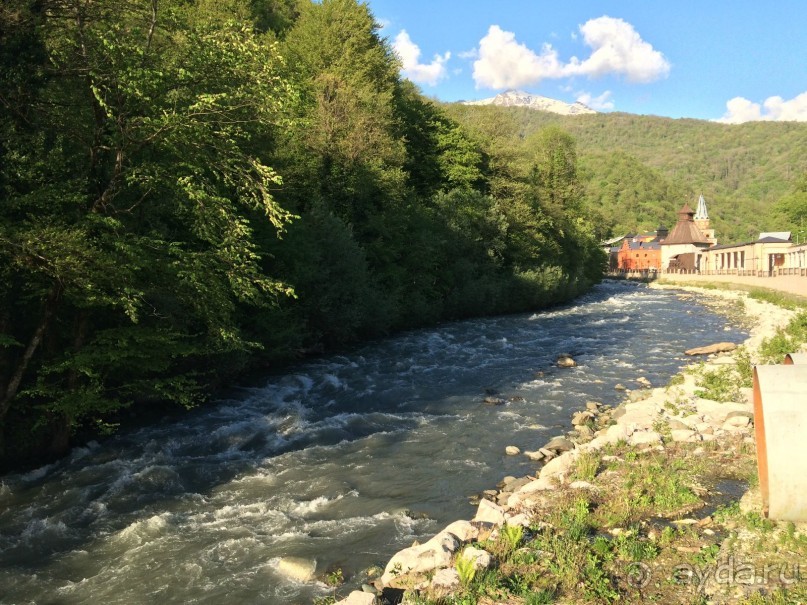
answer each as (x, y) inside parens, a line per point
(345, 459)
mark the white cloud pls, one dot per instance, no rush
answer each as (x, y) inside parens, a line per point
(773, 109)
(617, 49)
(600, 103)
(422, 73)
(506, 63)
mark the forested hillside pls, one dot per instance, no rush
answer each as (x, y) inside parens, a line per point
(192, 188)
(638, 170)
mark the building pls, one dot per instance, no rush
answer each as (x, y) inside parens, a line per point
(683, 249)
(641, 252)
(766, 256)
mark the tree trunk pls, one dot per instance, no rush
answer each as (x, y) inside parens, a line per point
(15, 381)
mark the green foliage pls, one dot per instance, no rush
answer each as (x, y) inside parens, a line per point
(149, 247)
(718, 385)
(512, 536)
(466, 568)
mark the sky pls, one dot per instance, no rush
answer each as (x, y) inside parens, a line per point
(731, 61)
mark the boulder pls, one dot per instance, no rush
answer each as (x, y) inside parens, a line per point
(357, 597)
(593, 406)
(494, 401)
(420, 559)
(445, 582)
(645, 438)
(512, 450)
(297, 568)
(582, 417)
(481, 558)
(534, 455)
(566, 361)
(489, 512)
(718, 347)
(620, 387)
(464, 530)
(519, 519)
(584, 431)
(643, 381)
(684, 436)
(558, 466)
(559, 444)
(676, 425)
(536, 485)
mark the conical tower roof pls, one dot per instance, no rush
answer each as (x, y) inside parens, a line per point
(701, 213)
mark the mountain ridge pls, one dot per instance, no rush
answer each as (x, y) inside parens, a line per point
(519, 98)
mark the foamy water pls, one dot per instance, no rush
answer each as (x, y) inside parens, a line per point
(345, 459)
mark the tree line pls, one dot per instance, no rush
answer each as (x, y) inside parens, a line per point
(193, 188)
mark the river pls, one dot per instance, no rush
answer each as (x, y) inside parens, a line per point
(345, 459)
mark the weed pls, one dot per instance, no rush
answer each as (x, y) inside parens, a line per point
(718, 385)
(577, 520)
(587, 466)
(630, 547)
(466, 569)
(512, 536)
(541, 597)
(335, 578)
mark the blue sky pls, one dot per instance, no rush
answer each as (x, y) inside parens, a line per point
(734, 61)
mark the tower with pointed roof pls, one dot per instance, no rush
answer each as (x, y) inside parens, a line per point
(702, 221)
(683, 248)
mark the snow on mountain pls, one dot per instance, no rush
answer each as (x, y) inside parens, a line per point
(517, 98)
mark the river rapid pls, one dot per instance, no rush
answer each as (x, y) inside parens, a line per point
(345, 459)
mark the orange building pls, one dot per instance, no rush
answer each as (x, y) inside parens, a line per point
(639, 256)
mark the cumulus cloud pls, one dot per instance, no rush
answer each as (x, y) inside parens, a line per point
(617, 49)
(602, 102)
(506, 63)
(773, 109)
(422, 73)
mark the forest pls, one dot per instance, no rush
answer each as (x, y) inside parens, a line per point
(637, 171)
(195, 189)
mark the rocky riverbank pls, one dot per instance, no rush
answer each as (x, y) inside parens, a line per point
(641, 482)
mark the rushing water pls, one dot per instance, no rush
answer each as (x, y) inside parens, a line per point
(345, 459)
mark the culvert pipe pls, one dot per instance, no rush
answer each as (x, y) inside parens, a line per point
(795, 359)
(780, 424)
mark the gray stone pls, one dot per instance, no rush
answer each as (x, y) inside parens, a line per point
(358, 597)
(685, 436)
(536, 485)
(535, 455)
(559, 466)
(593, 406)
(512, 450)
(489, 512)
(584, 431)
(677, 425)
(464, 530)
(582, 417)
(419, 559)
(718, 347)
(548, 454)
(644, 438)
(620, 387)
(559, 444)
(445, 581)
(566, 361)
(481, 558)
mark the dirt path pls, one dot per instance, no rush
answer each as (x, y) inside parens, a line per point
(791, 284)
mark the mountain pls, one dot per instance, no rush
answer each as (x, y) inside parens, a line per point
(518, 98)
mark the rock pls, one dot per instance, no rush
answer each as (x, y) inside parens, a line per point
(464, 530)
(677, 425)
(517, 484)
(369, 588)
(516, 399)
(644, 438)
(358, 597)
(582, 417)
(559, 444)
(534, 455)
(637, 396)
(643, 381)
(493, 401)
(536, 485)
(581, 485)
(593, 406)
(506, 481)
(736, 424)
(620, 387)
(489, 512)
(718, 347)
(618, 413)
(434, 554)
(445, 582)
(584, 431)
(740, 414)
(685, 436)
(559, 466)
(548, 454)
(512, 450)
(565, 361)
(519, 519)
(481, 558)
(297, 568)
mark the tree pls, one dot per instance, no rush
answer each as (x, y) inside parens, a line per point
(125, 233)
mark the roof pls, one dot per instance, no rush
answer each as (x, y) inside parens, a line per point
(701, 214)
(772, 240)
(727, 246)
(782, 235)
(654, 245)
(613, 241)
(685, 230)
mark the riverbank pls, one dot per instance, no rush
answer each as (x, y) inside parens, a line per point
(641, 502)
